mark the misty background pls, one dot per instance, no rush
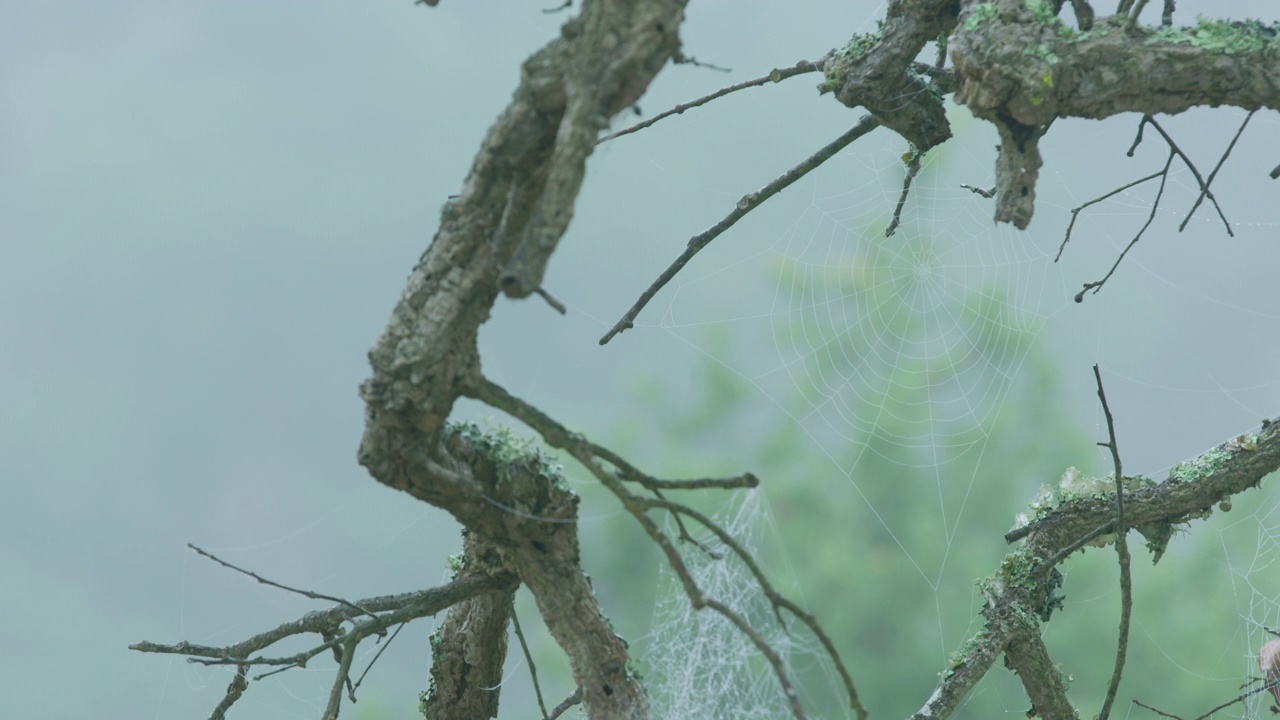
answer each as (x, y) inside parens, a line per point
(208, 210)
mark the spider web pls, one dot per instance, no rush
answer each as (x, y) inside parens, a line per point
(910, 365)
(690, 677)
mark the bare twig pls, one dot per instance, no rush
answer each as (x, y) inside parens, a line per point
(1204, 190)
(1192, 167)
(775, 75)
(1096, 285)
(377, 655)
(394, 608)
(574, 698)
(988, 194)
(533, 669)
(776, 599)
(765, 649)
(551, 300)
(681, 59)
(1161, 713)
(748, 203)
(913, 169)
(1204, 716)
(1132, 21)
(344, 669)
(1174, 151)
(1075, 212)
(1062, 554)
(272, 583)
(234, 691)
(1122, 550)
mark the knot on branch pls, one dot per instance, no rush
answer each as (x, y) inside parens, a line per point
(875, 71)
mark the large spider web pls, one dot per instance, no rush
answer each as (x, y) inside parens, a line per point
(910, 364)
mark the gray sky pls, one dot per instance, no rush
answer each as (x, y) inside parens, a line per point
(207, 211)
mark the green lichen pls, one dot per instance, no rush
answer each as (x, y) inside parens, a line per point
(957, 659)
(424, 697)
(1199, 467)
(456, 564)
(857, 46)
(507, 451)
(978, 15)
(1053, 599)
(633, 669)
(1042, 52)
(1042, 11)
(1074, 486)
(1228, 37)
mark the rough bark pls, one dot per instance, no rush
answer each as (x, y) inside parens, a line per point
(1019, 66)
(470, 647)
(497, 235)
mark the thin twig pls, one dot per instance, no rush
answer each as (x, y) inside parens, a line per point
(1161, 713)
(769, 654)
(1237, 699)
(776, 599)
(234, 691)
(775, 75)
(533, 669)
(681, 59)
(335, 692)
(551, 300)
(1062, 554)
(272, 583)
(1096, 285)
(377, 655)
(1122, 550)
(1075, 212)
(1194, 172)
(1209, 180)
(395, 608)
(913, 169)
(574, 698)
(988, 194)
(1133, 20)
(748, 203)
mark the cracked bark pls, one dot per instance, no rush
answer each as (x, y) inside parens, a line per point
(497, 235)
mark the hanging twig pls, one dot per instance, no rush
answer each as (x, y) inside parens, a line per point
(533, 669)
(1122, 550)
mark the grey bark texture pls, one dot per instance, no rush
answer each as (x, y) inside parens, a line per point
(497, 235)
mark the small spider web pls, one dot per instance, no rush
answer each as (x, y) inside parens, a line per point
(702, 666)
